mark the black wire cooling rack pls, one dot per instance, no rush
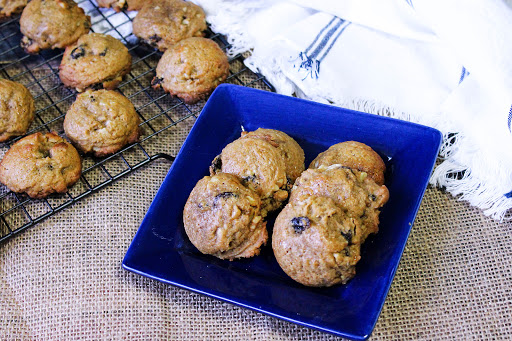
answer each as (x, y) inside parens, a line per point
(161, 114)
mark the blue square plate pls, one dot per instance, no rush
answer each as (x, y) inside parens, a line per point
(162, 251)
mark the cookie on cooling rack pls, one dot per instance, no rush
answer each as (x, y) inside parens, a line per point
(290, 150)
(192, 69)
(163, 23)
(101, 122)
(95, 60)
(223, 218)
(261, 168)
(353, 191)
(312, 242)
(51, 24)
(11, 7)
(40, 164)
(119, 5)
(354, 155)
(16, 109)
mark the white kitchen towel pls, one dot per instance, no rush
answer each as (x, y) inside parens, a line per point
(443, 63)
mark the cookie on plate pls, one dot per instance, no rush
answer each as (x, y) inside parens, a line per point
(119, 5)
(355, 155)
(9, 8)
(40, 164)
(192, 69)
(353, 191)
(312, 242)
(95, 60)
(261, 168)
(223, 218)
(289, 148)
(16, 109)
(101, 122)
(52, 24)
(163, 23)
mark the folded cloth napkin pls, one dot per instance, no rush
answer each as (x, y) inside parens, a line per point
(442, 63)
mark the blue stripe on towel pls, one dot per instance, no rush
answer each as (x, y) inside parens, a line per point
(510, 119)
(410, 3)
(320, 34)
(463, 74)
(332, 43)
(326, 39)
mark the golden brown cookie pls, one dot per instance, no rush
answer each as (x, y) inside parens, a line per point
(95, 60)
(40, 164)
(16, 109)
(223, 218)
(119, 5)
(11, 7)
(101, 122)
(261, 168)
(52, 24)
(354, 155)
(353, 191)
(163, 23)
(290, 150)
(312, 242)
(192, 69)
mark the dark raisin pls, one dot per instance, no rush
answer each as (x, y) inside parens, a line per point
(93, 99)
(77, 52)
(157, 81)
(104, 53)
(250, 178)
(26, 42)
(347, 236)
(347, 252)
(373, 197)
(216, 165)
(223, 195)
(155, 38)
(300, 224)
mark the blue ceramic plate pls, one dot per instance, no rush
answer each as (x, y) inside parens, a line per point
(162, 251)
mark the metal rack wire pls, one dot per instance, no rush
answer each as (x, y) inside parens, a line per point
(159, 112)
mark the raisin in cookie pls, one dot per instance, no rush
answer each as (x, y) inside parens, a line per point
(16, 109)
(353, 191)
(101, 122)
(119, 5)
(223, 218)
(192, 69)
(95, 60)
(312, 242)
(354, 155)
(163, 23)
(52, 24)
(261, 168)
(40, 164)
(11, 7)
(290, 150)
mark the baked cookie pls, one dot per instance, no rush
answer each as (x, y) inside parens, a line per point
(16, 109)
(95, 60)
(261, 168)
(163, 23)
(11, 7)
(223, 218)
(290, 150)
(52, 24)
(101, 122)
(354, 155)
(312, 242)
(40, 164)
(192, 69)
(119, 5)
(353, 191)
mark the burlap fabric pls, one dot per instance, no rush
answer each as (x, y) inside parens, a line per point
(62, 279)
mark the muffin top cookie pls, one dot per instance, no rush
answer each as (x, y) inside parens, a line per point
(51, 24)
(163, 23)
(353, 191)
(11, 7)
(290, 150)
(16, 109)
(119, 5)
(95, 60)
(312, 242)
(101, 122)
(223, 218)
(354, 155)
(261, 168)
(192, 69)
(40, 164)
